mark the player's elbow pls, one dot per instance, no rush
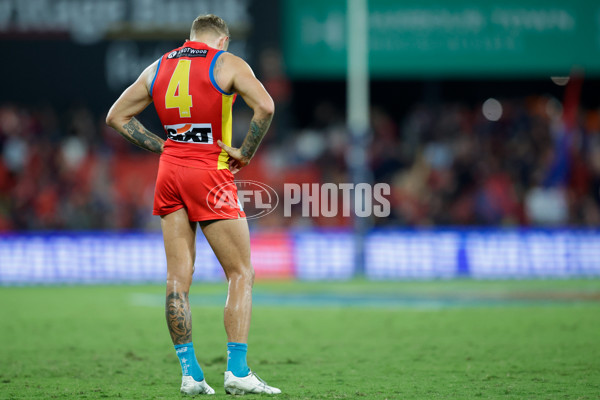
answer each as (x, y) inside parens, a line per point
(110, 119)
(267, 107)
(115, 120)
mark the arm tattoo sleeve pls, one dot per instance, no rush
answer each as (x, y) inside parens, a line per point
(137, 134)
(258, 129)
(179, 317)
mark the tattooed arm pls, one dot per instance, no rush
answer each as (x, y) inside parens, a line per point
(132, 102)
(135, 132)
(234, 75)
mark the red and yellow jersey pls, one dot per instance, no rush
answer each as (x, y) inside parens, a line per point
(193, 109)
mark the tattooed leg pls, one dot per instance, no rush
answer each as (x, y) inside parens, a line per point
(180, 241)
(179, 317)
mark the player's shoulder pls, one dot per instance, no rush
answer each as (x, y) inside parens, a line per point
(232, 62)
(149, 74)
(231, 58)
(153, 67)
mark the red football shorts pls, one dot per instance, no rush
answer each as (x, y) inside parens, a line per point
(206, 193)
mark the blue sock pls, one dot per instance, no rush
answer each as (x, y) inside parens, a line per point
(187, 359)
(236, 359)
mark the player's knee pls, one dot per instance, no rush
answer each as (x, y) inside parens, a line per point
(179, 280)
(244, 274)
(180, 270)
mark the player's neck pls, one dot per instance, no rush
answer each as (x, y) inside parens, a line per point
(208, 40)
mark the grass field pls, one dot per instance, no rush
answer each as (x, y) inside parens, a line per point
(394, 340)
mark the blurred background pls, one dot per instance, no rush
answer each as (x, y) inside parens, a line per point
(484, 120)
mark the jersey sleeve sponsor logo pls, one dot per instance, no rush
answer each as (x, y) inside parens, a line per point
(190, 133)
(188, 52)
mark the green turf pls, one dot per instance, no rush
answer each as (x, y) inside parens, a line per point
(534, 340)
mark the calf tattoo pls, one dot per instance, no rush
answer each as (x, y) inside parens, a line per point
(179, 317)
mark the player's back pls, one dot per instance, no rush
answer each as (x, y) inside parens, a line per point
(193, 110)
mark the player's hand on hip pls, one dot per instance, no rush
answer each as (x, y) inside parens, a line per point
(237, 161)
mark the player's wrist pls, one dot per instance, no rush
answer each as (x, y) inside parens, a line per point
(245, 156)
(244, 161)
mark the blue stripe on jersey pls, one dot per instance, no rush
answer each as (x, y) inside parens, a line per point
(155, 74)
(212, 76)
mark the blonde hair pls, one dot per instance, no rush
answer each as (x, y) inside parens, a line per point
(207, 23)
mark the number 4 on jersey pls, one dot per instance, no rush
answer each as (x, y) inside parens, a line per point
(178, 91)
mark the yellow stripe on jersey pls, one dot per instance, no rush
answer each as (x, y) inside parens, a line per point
(226, 122)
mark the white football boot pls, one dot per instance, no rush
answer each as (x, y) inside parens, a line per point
(248, 384)
(191, 387)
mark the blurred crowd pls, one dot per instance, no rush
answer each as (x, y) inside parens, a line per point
(450, 165)
(67, 170)
(447, 165)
